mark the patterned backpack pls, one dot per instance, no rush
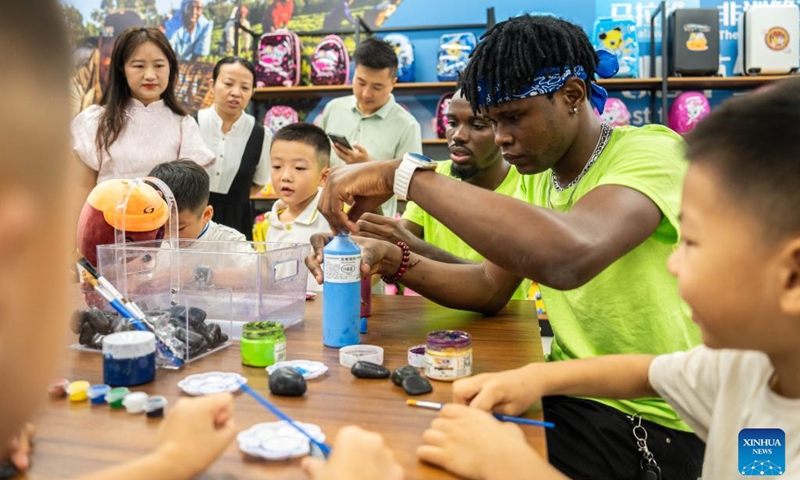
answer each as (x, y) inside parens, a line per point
(687, 110)
(441, 114)
(330, 63)
(404, 50)
(618, 36)
(454, 50)
(278, 117)
(278, 59)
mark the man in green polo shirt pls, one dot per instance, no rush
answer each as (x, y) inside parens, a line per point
(474, 159)
(376, 126)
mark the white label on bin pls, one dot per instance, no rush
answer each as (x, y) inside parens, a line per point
(342, 268)
(280, 352)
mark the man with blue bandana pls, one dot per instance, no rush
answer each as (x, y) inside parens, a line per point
(599, 222)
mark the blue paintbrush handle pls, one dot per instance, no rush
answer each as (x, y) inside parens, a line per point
(326, 450)
(523, 421)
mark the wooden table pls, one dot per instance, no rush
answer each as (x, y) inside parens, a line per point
(79, 438)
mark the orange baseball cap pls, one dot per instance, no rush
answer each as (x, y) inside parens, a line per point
(145, 211)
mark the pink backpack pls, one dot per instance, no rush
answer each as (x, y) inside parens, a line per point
(615, 113)
(441, 114)
(687, 110)
(278, 59)
(278, 117)
(330, 63)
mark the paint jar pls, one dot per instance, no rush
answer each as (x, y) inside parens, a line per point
(115, 396)
(78, 391)
(97, 394)
(129, 358)
(448, 355)
(263, 344)
(135, 402)
(155, 406)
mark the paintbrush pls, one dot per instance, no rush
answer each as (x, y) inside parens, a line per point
(323, 447)
(502, 418)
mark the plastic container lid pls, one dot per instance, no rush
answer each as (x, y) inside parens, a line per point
(416, 356)
(366, 353)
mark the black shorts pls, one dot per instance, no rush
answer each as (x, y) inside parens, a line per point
(594, 441)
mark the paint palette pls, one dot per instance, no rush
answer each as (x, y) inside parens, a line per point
(307, 368)
(278, 440)
(211, 382)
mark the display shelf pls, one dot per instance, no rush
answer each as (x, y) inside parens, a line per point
(321, 91)
(614, 84)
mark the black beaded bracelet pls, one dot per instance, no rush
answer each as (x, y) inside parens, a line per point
(403, 264)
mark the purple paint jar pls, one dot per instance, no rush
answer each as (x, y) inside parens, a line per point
(448, 355)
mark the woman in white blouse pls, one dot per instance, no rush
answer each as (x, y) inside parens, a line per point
(240, 144)
(139, 122)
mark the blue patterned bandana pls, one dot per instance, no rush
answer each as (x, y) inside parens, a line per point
(548, 81)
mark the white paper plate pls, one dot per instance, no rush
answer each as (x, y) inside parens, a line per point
(278, 440)
(307, 368)
(211, 382)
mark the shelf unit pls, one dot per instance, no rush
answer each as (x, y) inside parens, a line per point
(612, 84)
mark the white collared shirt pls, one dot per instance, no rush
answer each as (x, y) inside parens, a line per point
(229, 149)
(309, 222)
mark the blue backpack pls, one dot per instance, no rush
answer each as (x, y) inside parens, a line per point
(330, 63)
(618, 36)
(405, 56)
(454, 51)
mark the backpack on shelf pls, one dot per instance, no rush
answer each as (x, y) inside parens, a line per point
(454, 51)
(404, 50)
(615, 113)
(330, 62)
(768, 40)
(278, 117)
(279, 61)
(440, 122)
(687, 110)
(618, 36)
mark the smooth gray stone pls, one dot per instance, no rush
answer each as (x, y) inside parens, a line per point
(401, 373)
(287, 382)
(369, 370)
(417, 385)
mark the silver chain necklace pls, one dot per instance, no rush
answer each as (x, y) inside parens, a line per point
(605, 135)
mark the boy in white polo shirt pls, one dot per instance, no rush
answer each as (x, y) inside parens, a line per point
(300, 158)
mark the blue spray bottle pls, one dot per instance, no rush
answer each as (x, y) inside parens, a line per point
(341, 305)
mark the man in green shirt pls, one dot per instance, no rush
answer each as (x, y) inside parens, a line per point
(475, 159)
(598, 225)
(375, 126)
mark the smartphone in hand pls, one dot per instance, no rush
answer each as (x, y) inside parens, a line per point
(340, 140)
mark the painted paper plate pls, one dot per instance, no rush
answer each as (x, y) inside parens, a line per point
(307, 368)
(211, 382)
(278, 440)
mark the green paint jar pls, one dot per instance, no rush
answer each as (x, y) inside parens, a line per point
(263, 344)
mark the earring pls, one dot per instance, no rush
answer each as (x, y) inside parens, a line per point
(574, 110)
